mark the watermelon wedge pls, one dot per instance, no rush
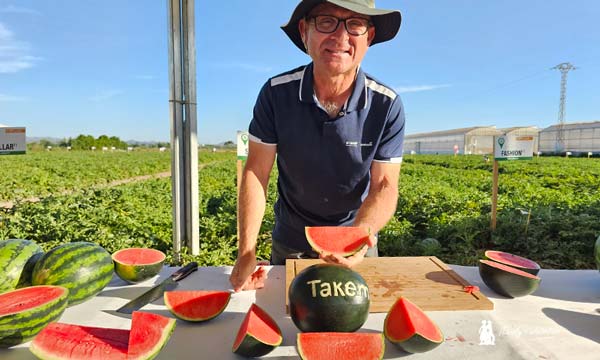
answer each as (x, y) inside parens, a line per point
(338, 240)
(25, 312)
(339, 345)
(515, 261)
(198, 305)
(135, 265)
(507, 280)
(149, 333)
(410, 329)
(258, 335)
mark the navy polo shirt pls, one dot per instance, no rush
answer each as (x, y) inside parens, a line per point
(324, 163)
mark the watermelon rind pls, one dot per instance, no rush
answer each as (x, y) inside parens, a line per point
(338, 345)
(507, 281)
(515, 261)
(14, 259)
(199, 300)
(417, 342)
(597, 252)
(251, 345)
(328, 298)
(354, 238)
(141, 327)
(22, 326)
(138, 272)
(82, 267)
(27, 273)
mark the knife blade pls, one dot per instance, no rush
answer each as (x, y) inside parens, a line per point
(157, 291)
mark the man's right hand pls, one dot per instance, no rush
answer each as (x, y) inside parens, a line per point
(245, 275)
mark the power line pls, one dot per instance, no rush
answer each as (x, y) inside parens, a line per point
(564, 69)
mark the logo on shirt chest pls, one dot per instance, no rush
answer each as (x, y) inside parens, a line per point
(358, 144)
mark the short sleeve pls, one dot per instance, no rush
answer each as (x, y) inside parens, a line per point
(392, 140)
(262, 127)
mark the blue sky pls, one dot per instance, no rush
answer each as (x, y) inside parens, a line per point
(70, 67)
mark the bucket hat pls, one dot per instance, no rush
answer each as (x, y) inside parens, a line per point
(386, 22)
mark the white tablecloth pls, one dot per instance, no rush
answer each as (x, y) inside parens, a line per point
(561, 320)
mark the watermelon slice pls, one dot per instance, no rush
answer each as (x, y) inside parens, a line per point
(25, 312)
(507, 280)
(198, 305)
(409, 328)
(338, 240)
(340, 345)
(135, 265)
(515, 261)
(149, 333)
(258, 335)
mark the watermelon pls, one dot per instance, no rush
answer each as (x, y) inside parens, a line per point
(515, 261)
(26, 275)
(135, 265)
(149, 333)
(258, 335)
(82, 267)
(338, 345)
(328, 298)
(15, 267)
(410, 329)
(24, 312)
(338, 240)
(198, 305)
(597, 252)
(506, 280)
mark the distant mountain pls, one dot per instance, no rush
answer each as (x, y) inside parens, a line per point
(32, 139)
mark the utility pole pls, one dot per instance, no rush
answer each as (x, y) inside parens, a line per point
(564, 69)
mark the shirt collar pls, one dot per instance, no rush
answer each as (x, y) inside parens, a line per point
(357, 100)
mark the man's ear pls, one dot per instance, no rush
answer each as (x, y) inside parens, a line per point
(371, 35)
(302, 31)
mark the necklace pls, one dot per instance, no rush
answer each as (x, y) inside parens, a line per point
(331, 108)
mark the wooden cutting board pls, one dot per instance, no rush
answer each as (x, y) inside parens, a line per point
(424, 280)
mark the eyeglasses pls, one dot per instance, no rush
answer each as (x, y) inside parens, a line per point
(328, 24)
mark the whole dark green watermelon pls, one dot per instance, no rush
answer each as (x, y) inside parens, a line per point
(328, 298)
(16, 263)
(597, 252)
(84, 268)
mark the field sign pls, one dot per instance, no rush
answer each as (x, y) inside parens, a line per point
(513, 147)
(12, 140)
(242, 145)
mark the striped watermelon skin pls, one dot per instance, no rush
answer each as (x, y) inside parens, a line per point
(14, 255)
(82, 267)
(21, 326)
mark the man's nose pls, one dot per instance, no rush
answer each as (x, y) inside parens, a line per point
(341, 31)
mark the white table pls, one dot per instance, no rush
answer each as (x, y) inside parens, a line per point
(561, 320)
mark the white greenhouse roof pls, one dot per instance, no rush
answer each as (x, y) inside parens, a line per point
(475, 130)
(574, 126)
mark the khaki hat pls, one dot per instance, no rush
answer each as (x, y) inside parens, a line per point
(387, 22)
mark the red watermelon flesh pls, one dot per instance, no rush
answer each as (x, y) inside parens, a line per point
(135, 265)
(139, 256)
(149, 333)
(339, 240)
(28, 298)
(339, 345)
(258, 334)
(198, 305)
(67, 341)
(513, 260)
(509, 269)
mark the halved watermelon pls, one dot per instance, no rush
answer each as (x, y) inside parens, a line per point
(506, 280)
(515, 261)
(135, 265)
(149, 333)
(258, 335)
(25, 312)
(409, 328)
(339, 345)
(197, 305)
(339, 240)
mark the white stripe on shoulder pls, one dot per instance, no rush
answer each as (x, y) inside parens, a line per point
(258, 140)
(396, 160)
(284, 79)
(375, 86)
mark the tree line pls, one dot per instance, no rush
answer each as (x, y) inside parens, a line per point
(88, 142)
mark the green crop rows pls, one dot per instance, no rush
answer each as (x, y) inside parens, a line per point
(548, 208)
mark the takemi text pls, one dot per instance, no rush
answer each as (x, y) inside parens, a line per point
(325, 289)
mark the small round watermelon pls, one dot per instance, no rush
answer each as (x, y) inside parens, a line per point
(196, 305)
(515, 261)
(328, 298)
(16, 263)
(135, 265)
(506, 280)
(339, 240)
(597, 252)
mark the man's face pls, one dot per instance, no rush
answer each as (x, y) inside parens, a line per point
(338, 52)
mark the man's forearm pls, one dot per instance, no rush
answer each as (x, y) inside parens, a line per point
(379, 206)
(252, 202)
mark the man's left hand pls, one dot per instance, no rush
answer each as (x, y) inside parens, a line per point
(347, 262)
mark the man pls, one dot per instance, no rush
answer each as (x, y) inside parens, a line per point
(336, 131)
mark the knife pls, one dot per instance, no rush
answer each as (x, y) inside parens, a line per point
(157, 291)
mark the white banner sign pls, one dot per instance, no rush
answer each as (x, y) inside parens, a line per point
(12, 140)
(242, 145)
(513, 147)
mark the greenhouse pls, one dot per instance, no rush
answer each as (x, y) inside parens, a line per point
(579, 138)
(472, 140)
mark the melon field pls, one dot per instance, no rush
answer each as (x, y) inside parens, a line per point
(548, 208)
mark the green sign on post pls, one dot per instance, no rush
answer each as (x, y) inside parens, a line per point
(242, 145)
